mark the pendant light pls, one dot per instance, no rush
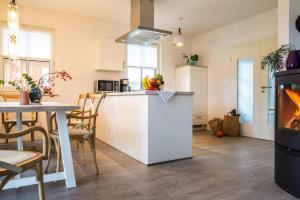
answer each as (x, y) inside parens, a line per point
(13, 29)
(179, 40)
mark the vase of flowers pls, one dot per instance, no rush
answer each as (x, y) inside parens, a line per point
(22, 84)
(47, 81)
(31, 90)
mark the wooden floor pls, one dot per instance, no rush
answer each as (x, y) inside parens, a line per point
(221, 168)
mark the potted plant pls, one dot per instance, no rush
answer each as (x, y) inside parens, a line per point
(23, 84)
(192, 60)
(276, 60)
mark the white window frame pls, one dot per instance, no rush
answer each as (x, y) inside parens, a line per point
(156, 70)
(3, 24)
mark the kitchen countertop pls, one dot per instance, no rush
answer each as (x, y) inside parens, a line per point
(144, 93)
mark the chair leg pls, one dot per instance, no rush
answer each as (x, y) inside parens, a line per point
(40, 179)
(5, 180)
(49, 155)
(58, 154)
(6, 131)
(77, 143)
(32, 134)
(93, 148)
(81, 144)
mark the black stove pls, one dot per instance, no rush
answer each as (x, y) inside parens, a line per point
(287, 131)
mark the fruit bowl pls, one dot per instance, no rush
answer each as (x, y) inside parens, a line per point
(154, 83)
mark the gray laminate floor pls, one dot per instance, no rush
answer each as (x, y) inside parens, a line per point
(221, 168)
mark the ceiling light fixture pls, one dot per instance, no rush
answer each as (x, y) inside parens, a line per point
(13, 28)
(179, 40)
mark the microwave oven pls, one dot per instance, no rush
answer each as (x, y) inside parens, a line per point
(106, 86)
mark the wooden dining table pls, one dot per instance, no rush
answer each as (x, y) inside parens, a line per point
(47, 107)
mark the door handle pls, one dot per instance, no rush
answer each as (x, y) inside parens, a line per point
(265, 87)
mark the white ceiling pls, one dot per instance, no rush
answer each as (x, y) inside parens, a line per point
(199, 15)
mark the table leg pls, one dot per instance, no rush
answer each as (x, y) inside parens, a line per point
(19, 128)
(66, 149)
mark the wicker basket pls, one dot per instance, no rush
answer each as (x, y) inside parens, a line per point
(231, 126)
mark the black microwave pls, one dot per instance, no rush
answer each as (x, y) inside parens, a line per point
(106, 86)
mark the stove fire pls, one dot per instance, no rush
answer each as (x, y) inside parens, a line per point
(294, 122)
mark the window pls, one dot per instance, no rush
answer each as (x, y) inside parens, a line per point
(142, 61)
(245, 90)
(34, 51)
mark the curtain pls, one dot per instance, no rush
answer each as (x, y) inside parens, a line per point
(14, 68)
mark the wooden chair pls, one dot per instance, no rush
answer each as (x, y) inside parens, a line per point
(9, 121)
(82, 102)
(14, 162)
(86, 131)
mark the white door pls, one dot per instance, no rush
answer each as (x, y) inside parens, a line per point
(267, 95)
(255, 90)
(245, 59)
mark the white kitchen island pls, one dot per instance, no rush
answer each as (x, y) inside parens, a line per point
(142, 126)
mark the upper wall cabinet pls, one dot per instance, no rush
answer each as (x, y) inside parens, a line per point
(110, 55)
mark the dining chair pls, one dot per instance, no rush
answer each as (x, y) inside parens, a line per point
(13, 162)
(9, 119)
(85, 131)
(82, 102)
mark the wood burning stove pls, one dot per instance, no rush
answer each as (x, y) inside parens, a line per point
(287, 131)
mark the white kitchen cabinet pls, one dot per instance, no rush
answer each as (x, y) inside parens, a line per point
(110, 55)
(194, 79)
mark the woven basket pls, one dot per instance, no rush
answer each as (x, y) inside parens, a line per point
(215, 124)
(231, 126)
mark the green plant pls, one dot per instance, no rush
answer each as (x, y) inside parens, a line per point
(276, 60)
(22, 84)
(194, 57)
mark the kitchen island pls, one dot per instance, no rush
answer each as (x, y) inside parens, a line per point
(143, 126)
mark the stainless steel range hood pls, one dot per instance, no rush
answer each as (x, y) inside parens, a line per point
(142, 25)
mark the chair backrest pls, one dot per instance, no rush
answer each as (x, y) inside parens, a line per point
(95, 101)
(82, 98)
(7, 97)
(11, 97)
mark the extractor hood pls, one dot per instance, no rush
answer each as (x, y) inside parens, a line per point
(142, 25)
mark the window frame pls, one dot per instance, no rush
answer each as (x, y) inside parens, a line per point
(156, 70)
(3, 24)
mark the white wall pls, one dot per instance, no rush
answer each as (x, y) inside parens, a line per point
(215, 52)
(75, 48)
(288, 11)
(170, 58)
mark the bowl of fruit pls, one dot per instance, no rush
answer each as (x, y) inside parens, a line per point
(154, 83)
